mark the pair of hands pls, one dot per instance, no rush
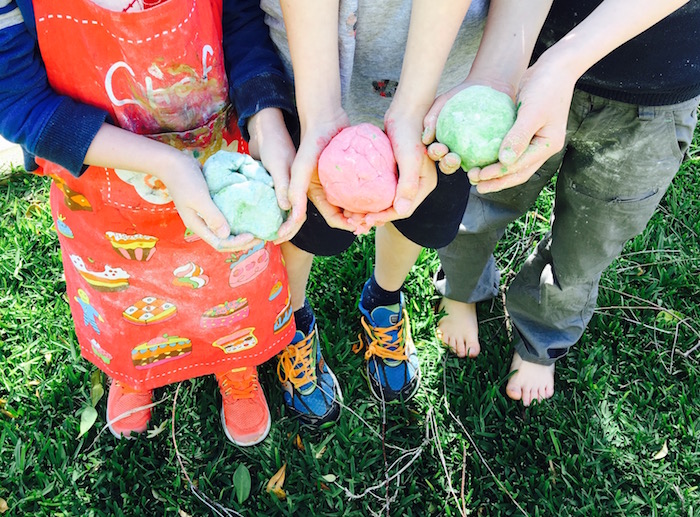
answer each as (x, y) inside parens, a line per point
(269, 142)
(417, 175)
(543, 98)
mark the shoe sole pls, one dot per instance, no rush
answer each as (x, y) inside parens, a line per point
(246, 444)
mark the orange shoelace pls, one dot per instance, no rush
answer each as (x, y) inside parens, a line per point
(238, 383)
(382, 338)
(297, 354)
(128, 390)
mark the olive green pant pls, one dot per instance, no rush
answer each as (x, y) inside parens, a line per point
(615, 167)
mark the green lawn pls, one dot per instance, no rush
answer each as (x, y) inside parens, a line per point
(621, 436)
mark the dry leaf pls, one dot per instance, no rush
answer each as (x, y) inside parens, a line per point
(274, 486)
(663, 452)
(279, 493)
(152, 433)
(33, 383)
(183, 513)
(299, 444)
(3, 505)
(7, 413)
(324, 486)
(321, 452)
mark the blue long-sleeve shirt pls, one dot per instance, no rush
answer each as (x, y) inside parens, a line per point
(59, 129)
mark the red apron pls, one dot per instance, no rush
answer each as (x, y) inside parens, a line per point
(152, 303)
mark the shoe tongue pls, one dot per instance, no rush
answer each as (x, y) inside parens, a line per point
(298, 336)
(386, 315)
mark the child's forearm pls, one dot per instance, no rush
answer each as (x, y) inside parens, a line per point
(610, 25)
(118, 148)
(432, 32)
(312, 31)
(511, 30)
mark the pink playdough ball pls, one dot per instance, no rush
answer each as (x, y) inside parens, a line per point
(358, 170)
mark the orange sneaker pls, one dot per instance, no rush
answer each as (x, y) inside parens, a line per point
(123, 415)
(245, 416)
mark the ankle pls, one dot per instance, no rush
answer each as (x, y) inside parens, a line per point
(374, 295)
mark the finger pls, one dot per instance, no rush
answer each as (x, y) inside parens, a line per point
(289, 228)
(473, 175)
(406, 191)
(238, 242)
(493, 171)
(450, 163)
(383, 217)
(212, 217)
(437, 151)
(281, 181)
(430, 119)
(517, 140)
(504, 182)
(538, 152)
(197, 225)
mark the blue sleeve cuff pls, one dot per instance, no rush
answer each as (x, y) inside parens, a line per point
(69, 133)
(266, 90)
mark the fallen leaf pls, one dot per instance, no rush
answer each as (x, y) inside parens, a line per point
(279, 493)
(47, 357)
(152, 433)
(87, 419)
(329, 478)
(183, 513)
(33, 383)
(241, 483)
(274, 486)
(663, 452)
(320, 453)
(8, 413)
(96, 393)
(324, 486)
(299, 444)
(3, 505)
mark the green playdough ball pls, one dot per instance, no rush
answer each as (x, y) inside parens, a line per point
(244, 192)
(473, 124)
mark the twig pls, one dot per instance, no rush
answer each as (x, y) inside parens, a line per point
(687, 353)
(126, 414)
(464, 475)
(215, 507)
(476, 448)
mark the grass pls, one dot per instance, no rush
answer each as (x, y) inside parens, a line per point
(625, 393)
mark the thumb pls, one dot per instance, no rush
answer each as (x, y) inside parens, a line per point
(517, 140)
(215, 221)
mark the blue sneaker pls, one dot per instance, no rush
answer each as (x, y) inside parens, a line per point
(393, 371)
(310, 388)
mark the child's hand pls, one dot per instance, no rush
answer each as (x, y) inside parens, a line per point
(185, 183)
(271, 144)
(305, 181)
(448, 161)
(417, 174)
(539, 131)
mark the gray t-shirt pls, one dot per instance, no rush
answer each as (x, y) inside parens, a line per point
(372, 38)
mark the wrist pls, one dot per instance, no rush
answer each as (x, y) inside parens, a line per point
(509, 86)
(263, 120)
(568, 60)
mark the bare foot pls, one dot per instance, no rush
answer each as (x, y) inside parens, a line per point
(531, 381)
(459, 328)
